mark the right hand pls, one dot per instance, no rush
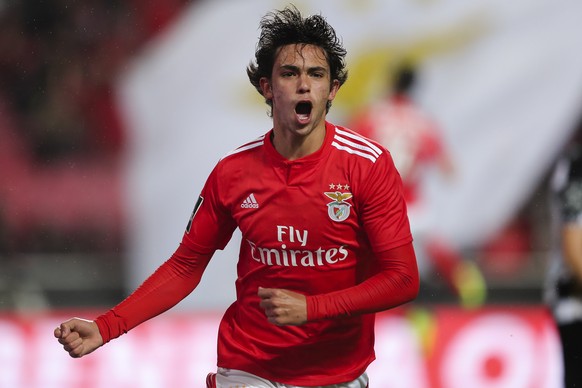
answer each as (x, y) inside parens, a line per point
(78, 336)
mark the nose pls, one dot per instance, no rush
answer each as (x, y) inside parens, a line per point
(303, 86)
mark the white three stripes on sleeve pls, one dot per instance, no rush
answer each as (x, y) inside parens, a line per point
(359, 146)
(255, 143)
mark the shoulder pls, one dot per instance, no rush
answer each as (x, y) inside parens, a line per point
(244, 150)
(237, 161)
(352, 145)
(367, 162)
(570, 193)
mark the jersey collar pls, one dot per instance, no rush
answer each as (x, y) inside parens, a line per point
(309, 159)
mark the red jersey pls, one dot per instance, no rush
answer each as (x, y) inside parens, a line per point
(412, 138)
(311, 226)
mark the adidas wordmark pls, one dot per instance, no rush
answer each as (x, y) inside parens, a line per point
(250, 202)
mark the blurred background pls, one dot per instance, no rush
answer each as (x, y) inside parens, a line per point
(113, 113)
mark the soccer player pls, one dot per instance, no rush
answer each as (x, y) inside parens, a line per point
(416, 145)
(325, 236)
(563, 288)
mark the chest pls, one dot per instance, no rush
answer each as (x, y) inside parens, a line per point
(295, 205)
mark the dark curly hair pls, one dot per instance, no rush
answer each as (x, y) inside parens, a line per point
(280, 28)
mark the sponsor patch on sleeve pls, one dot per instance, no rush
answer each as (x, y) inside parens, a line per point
(196, 207)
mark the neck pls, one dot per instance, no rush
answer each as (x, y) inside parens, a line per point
(292, 147)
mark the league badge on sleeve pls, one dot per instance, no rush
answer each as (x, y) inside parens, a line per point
(196, 207)
(339, 209)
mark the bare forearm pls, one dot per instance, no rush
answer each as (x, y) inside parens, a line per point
(572, 249)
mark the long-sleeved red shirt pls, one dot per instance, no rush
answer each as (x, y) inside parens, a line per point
(331, 226)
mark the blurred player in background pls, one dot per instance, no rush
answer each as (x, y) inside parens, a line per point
(326, 241)
(563, 291)
(415, 143)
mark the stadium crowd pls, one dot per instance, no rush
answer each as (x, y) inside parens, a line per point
(63, 138)
(58, 64)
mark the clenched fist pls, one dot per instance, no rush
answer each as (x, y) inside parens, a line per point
(283, 307)
(78, 336)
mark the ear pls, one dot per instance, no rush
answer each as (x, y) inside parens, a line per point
(335, 85)
(265, 85)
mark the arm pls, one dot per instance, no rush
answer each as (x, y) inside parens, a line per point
(568, 181)
(572, 249)
(396, 283)
(167, 286)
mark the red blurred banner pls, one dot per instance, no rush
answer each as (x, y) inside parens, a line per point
(436, 347)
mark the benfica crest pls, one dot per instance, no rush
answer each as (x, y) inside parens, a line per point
(338, 210)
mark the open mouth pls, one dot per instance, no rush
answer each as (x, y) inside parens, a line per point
(303, 110)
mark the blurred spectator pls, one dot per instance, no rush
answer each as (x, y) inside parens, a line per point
(61, 133)
(563, 290)
(415, 143)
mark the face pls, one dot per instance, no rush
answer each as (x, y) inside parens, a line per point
(300, 88)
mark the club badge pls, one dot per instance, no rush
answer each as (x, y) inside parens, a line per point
(339, 209)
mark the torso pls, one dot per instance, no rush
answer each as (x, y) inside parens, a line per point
(304, 228)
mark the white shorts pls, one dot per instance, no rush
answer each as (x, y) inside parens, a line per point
(232, 378)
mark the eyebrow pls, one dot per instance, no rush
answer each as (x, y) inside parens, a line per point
(310, 69)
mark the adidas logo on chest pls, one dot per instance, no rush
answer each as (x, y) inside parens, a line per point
(250, 202)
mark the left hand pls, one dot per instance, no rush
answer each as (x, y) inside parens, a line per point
(283, 307)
